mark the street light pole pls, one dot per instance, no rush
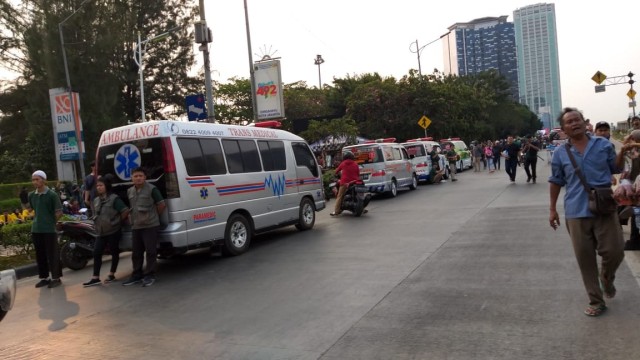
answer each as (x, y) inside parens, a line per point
(319, 61)
(420, 48)
(70, 92)
(138, 60)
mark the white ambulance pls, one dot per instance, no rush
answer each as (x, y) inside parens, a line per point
(221, 183)
(384, 166)
(418, 150)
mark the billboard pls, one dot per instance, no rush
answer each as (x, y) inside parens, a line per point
(64, 128)
(268, 85)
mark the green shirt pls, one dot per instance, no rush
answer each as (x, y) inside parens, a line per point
(45, 205)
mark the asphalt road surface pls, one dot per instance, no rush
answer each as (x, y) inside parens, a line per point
(464, 270)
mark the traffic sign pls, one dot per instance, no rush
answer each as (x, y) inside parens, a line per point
(599, 77)
(600, 88)
(195, 107)
(632, 104)
(631, 94)
(424, 122)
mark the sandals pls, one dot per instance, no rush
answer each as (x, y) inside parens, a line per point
(595, 310)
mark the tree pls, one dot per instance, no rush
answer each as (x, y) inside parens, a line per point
(99, 41)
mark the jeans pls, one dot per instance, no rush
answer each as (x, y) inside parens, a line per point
(496, 162)
(530, 168)
(510, 166)
(490, 163)
(113, 240)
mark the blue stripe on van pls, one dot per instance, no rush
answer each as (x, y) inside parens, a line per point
(198, 181)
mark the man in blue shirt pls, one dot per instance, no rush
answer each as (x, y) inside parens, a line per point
(590, 234)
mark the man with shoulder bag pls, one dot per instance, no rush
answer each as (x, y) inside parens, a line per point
(585, 166)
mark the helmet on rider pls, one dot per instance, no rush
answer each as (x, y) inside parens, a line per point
(348, 155)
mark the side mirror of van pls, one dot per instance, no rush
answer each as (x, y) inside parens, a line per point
(411, 156)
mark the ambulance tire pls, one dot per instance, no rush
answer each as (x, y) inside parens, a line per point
(414, 182)
(237, 235)
(307, 215)
(393, 191)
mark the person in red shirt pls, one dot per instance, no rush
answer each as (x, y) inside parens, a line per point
(350, 172)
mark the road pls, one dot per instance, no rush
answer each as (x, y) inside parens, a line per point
(464, 270)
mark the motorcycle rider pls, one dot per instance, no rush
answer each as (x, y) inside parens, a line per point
(109, 212)
(350, 172)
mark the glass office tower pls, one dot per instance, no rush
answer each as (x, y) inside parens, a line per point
(538, 68)
(480, 45)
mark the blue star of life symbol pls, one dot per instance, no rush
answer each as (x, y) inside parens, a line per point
(126, 159)
(204, 193)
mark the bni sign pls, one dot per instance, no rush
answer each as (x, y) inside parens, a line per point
(64, 128)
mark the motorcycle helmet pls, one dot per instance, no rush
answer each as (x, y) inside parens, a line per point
(348, 155)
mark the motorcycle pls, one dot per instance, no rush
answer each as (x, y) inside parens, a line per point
(356, 198)
(78, 239)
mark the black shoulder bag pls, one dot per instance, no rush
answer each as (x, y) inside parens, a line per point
(601, 201)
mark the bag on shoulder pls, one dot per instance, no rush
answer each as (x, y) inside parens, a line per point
(601, 201)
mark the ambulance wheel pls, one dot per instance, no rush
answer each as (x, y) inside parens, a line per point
(307, 217)
(393, 191)
(414, 182)
(237, 235)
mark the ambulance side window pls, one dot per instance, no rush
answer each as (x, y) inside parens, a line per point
(304, 157)
(242, 156)
(192, 155)
(272, 154)
(213, 156)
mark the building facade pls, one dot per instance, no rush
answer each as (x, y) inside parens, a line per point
(480, 45)
(538, 66)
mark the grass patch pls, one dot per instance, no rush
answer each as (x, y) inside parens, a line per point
(14, 261)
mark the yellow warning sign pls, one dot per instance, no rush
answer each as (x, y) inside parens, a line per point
(599, 77)
(631, 94)
(424, 122)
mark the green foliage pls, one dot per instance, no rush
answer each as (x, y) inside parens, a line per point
(17, 237)
(10, 204)
(99, 41)
(328, 176)
(337, 129)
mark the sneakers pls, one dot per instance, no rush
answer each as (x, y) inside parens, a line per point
(92, 282)
(54, 283)
(334, 214)
(42, 283)
(132, 281)
(110, 279)
(148, 281)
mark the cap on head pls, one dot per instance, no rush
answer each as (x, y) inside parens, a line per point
(40, 174)
(603, 124)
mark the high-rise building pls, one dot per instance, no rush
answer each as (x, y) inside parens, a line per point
(482, 44)
(538, 68)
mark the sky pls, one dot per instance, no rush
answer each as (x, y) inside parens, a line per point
(356, 37)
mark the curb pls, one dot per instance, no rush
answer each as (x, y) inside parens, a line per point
(26, 271)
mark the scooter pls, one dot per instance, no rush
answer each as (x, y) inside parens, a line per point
(78, 239)
(356, 198)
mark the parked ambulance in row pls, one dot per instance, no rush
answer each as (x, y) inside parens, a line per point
(221, 183)
(385, 166)
(418, 150)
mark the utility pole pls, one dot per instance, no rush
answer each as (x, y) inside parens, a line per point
(203, 37)
(252, 72)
